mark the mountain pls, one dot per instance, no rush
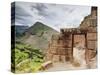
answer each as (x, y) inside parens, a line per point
(38, 35)
(19, 30)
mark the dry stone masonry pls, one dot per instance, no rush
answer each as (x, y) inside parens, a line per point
(61, 46)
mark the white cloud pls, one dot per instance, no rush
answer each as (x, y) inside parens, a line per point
(53, 15)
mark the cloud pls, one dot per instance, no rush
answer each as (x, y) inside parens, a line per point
(54, 15)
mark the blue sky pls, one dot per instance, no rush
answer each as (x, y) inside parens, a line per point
(54, 15)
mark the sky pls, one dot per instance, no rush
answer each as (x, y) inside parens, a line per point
(54, 15)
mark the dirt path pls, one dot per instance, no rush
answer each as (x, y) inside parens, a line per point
(60, 66)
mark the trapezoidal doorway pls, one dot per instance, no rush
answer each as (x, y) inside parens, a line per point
(79, 47)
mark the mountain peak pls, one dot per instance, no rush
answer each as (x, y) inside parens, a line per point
(39, 28)
(38, 22)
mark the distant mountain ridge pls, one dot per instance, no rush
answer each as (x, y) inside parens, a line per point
(19, 29)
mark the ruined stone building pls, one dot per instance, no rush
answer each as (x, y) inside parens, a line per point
(61, 46)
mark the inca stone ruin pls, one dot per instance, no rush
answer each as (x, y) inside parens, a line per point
(60, 48)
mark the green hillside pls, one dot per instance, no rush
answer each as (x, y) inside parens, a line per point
(25, 58)
(29, 50)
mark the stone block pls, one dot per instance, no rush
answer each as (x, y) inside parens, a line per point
(55, 58)
(92, 45)
(91, 36)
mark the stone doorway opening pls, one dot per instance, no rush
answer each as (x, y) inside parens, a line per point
(79, 40)
(79, 43)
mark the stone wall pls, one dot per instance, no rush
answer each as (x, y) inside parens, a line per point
(90, 23)
(60, 47)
